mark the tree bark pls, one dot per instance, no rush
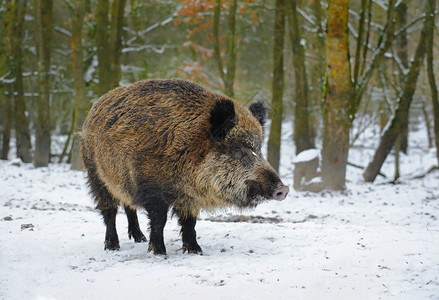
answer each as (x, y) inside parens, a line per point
(43, 23)
(338, 96)
(117, 17)
(401, 49)
(227, 74)
(302, 128)
(6, 104)
(401, 115)
(7, 127)
(273, 147)
(216, 42)
(81, 105)
(430, 72)
(14, 41)
(103, 47)
(230, 50)
(321, 50)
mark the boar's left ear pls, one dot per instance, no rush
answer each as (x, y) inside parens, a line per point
(222, 119)
(259, 111)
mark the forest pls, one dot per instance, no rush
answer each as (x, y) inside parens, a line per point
(329, 69)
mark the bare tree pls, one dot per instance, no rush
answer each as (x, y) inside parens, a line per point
(273, 147)
(43, 39)
(227, 75)
(430, 71)
(77, 8)
(14, 40)
(302, 128)
(109, 43)
(400, 118)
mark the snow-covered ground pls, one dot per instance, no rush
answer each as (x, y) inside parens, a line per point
(372, 241)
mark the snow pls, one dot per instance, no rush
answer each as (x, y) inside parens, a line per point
(306, 155)
(372, 241)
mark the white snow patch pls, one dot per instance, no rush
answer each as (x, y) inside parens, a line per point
(306, 155)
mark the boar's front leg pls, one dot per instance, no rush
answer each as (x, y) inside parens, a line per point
(188, 233)
(133, 226)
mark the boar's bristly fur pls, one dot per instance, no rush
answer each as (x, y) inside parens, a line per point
(161, 143)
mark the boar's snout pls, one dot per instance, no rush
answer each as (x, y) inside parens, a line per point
(280, 193)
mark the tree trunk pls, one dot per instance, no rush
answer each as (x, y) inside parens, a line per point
(321, 51)
(14, 40)
(5, 102)
(338, 96)
(78, 78)
(103, 47)
(384, 42)
(7, 127)
(6, 105)
(273, 147)
(401, 49)
(117, 16)
(230, 50)
(43, 28)
(227, 75)
(302, 132)
(430, 72)
(401, 115)
(216, 42)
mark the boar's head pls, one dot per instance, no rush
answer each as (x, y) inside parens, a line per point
(234, 171)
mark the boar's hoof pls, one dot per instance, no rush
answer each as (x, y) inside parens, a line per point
(193, 248)
(112, 245)
(281, 193)
(157, 249)
(138, 236)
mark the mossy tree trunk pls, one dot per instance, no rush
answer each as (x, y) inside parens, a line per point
(400, 118)
(109, 43)
(338, 97)
(103, 47)
(15, 12)
(302, 128)
(430, 72)
(43, 39)
(227, 74)
(273, 147)
(402, 51)
(81, 106)
(5, 101)
(117, 17)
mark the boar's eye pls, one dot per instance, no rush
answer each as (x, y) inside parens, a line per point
(238, 152)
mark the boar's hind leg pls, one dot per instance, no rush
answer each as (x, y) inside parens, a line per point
(188, 233)
(157, 213)
(133, 225)
(111, 238)
(107, 204)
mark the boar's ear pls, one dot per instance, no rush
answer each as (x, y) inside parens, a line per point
(259, 111)
(222, 119)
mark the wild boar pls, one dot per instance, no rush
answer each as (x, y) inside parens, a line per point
(157, 144)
